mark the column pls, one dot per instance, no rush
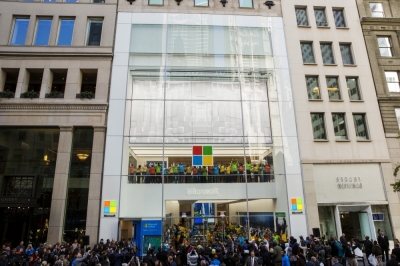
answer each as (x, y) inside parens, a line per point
(60, 185)
(96, 171)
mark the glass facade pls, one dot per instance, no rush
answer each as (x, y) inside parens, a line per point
(27, 165)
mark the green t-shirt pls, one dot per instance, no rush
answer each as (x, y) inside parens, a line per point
(175, 169)
(158, 169)
(234, 166)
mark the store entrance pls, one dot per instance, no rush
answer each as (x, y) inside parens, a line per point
(355, 221)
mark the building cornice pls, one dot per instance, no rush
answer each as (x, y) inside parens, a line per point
(91, 107)
(380, 21)
(389, 99)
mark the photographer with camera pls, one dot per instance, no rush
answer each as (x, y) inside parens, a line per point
(192, 257)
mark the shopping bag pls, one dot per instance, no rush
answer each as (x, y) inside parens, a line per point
(358, 252)
(372, 260)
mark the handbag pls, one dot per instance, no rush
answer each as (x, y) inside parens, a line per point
(372, 260)
(358, 252)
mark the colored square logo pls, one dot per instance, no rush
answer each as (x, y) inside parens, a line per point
(207, 150)
(106, 209)
(197, 150)
(107, 203)
(207, 160)
(297, 204)
(113, 210)
(110, 207)
(113, 203)
(197, 160)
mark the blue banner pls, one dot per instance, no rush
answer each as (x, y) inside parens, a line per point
(151, 227)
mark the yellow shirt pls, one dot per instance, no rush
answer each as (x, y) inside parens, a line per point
(144, 169)
(228, 169)
(188, 170)
(170, 170)
(222, 169)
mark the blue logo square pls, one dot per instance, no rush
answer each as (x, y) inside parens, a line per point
(197, 160)
(106, 209)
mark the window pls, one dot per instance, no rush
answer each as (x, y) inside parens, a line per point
(392, 79)
(49, 1)
(20, 30)
(43, 28)
(339, 18)
(361, 126)
(301, 16)
(66, 32)
(352, 87)
(11, 80)
(246, 3)
(347, 57)
(98, 1)
(156, 2)
(89, 79)
(333, 88)
(200, 2)
(35, 80)
(377, 10)
(94, 32)
(385, 46)
(339, 126)
(71, 1)
(318, 125)
(320, 17)
(59, 80)
(313, 87)
(397, 110)
(327, 53)
(307, 53)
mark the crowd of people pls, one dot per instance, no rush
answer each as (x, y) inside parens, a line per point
(262, 248)
(219, 173)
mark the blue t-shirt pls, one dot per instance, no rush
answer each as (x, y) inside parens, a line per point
(215, 170)
(181, 168)
(215, 262)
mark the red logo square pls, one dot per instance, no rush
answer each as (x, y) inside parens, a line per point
(197, 150)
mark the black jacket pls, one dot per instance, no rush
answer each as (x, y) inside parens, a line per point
(368, 245)
(377, 251)
(383, 242)
(392, 263)
(396, 251)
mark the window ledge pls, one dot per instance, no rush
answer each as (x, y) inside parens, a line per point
(315, 100)
(246, 7)
(342, 140)
(342, 28)
(201, 6)
(310, 64)
(330, 64)
(341, 100)
(357, 101)
(303, 26)
(321, 140)
(349, 65)
(364, 140)
(323, 27)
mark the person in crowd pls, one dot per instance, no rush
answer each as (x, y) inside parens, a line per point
(396, 251)
(393, 261)
(383, 242)
(377, 252)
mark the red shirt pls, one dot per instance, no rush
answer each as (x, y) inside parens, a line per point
(152, 170)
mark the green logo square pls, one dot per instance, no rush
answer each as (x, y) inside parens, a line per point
(207, 150)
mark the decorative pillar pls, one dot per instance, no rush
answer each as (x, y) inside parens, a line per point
(96, 172)
(60, 185)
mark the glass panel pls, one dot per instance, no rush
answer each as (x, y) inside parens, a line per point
(10, 83)
(20, 30)
(307, 53)
(156, 2)
(382, 225)
(339, 126)
(301, 16)
(327, 221)
(49, 1)
(94, 32)
(339, 18)
(347, 56)
(360, 126)
(385, 46)
(327, 54)
(377, 10)
(71, 1)
(333, 88)
(27, 154)
(352, 87)
(152, 41)
(78, 183)
(246, 3)
(201, 2)
(392, 79)
(318, 126)
(320, 17)
(66, 32)
(98, 1)
(43, 31)
(313, 88)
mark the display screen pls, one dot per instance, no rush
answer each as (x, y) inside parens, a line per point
(198, 220)
(204, 209)
(377, 216)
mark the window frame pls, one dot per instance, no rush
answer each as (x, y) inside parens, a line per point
(89, 20)
(150, 4)
(323, 9)
(398, 81)
(368, 137)
(59, 29)
(15, 18)
(306, 11)
(344, 17)
(333, 53)
(345, 127)
(351, 53)
(339, 89)
(252, 5)
(323, 123)
(358, 88)
(390, 47)
(194, 4)
(372, 12)
(312, 50)
(36, 29)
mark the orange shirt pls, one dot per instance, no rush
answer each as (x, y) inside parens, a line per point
(152, 170)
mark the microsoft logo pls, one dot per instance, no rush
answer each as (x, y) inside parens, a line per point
(297, 204)
(110, 207)
(202, 156)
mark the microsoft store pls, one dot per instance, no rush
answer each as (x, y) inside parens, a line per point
(208, 137)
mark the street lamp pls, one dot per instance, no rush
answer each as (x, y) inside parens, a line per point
(269, 4)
